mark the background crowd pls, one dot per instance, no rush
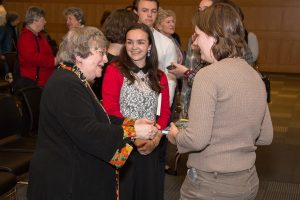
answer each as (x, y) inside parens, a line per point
(108, 93)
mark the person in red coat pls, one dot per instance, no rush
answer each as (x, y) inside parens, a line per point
(133, 86)
(36, 59)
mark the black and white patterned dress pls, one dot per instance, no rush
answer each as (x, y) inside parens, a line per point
(138, 100)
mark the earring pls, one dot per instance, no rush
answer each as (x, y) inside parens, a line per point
(148, 53)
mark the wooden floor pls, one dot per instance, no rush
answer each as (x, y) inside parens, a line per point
(278, 165)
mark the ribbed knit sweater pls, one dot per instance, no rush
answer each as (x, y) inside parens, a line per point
(228, 117)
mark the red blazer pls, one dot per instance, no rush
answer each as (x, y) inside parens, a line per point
(112, 84)
(30, 58)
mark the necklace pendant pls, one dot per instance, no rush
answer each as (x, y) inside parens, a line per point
(142, 79)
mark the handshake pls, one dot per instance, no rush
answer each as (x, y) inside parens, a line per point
(145, 129)
(148, 136)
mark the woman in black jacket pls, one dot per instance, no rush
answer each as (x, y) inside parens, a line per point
(79, 146)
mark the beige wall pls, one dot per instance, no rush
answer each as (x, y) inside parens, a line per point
(275, 22)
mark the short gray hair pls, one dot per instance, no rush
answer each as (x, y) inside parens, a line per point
(77, 13)
(78, 42)
(33, 13)
(163, 14)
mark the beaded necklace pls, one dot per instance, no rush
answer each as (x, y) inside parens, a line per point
(82, 78)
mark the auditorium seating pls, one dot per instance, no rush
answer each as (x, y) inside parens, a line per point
(8, 183)
(15, 151)
(11, 127)
(30, 98)
(17, 137)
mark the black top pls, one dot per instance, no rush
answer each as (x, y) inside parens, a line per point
(97, 86)
(13, 38)
(75, 144)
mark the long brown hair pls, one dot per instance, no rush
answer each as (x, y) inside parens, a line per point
(126, 65)
(223, 22)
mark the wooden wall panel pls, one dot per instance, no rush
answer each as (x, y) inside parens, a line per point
(262, 18)
(291, 19)
(275, 22)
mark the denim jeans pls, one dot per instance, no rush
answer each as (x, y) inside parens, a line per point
(199, 185)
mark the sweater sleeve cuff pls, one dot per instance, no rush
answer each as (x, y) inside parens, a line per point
(128, 128)
(120, 157)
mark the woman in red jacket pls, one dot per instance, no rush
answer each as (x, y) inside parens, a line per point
(134, 87)
(36, 59)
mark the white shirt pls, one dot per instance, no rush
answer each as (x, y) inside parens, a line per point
(253, 45)
(166, 51)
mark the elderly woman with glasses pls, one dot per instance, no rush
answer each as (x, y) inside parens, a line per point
(80, 147)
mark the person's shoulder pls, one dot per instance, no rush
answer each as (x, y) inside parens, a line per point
(226, 67)
(113, 69)
(251, 35)
(113, 66)
(252, 38)
(213, 69)
(161, 37)
(208, 69)
(63, 83)
(25, 32)
(63, 77)
(224, 62)
(162, 74)
(43, 34)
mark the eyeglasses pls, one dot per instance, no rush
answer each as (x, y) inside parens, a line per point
(102, 52)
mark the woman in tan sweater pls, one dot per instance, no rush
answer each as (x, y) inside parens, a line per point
(228, 114)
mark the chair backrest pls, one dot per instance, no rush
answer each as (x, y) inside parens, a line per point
(30, 98)
(8, 182)
(10, 118)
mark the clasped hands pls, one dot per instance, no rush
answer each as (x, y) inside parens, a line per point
(147, 136)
